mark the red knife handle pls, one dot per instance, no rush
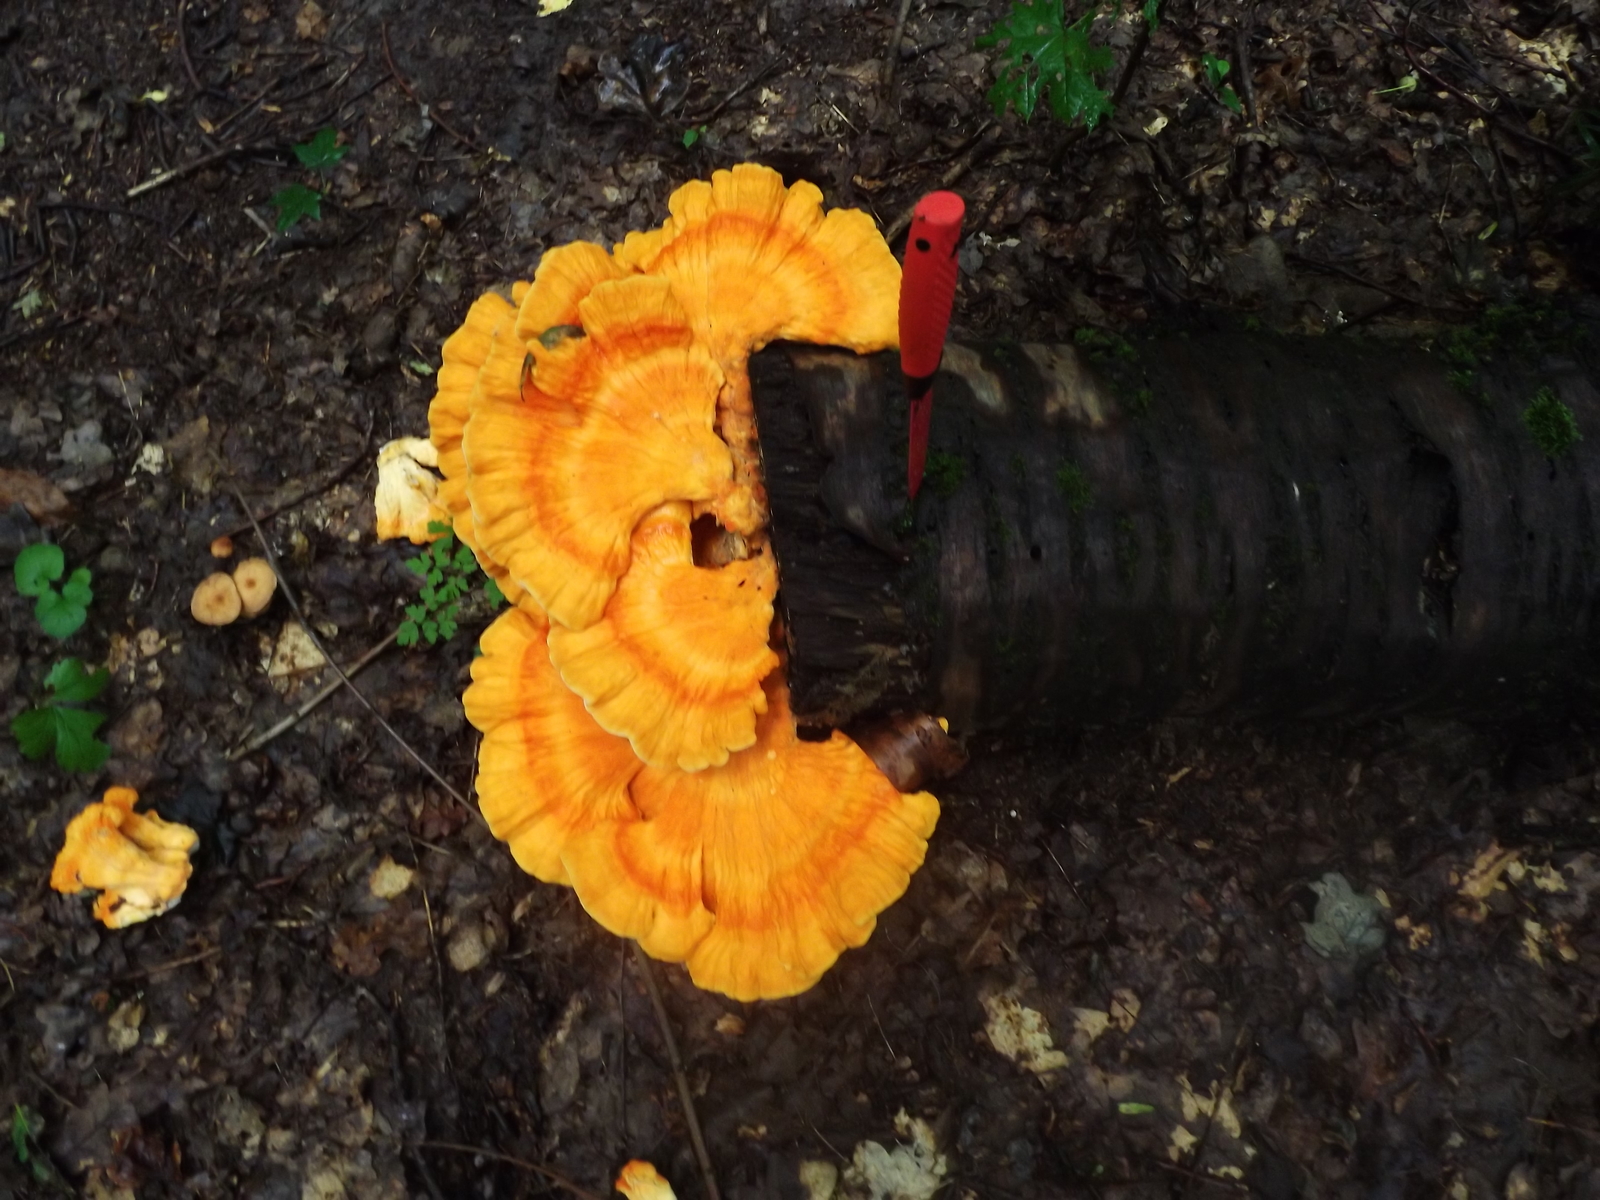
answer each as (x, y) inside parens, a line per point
(928, 284)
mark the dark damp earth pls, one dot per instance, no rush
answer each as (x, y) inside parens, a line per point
(302, 1025)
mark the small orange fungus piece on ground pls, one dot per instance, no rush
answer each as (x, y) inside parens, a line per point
(222, 547)
(256, 583)
(641, 1181)
(216, 600)
(138, 862)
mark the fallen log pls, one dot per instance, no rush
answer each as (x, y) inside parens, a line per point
(1187, 524)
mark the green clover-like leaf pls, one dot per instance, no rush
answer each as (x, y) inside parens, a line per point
(77, 749)
(37, 567)
(70, 683)
(492, 593)
(407, 635)
(35, 731)
(58, 616)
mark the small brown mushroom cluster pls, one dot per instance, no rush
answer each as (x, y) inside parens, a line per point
(221, 599)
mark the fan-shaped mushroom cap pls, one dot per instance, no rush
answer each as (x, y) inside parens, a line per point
(462, 356)
(558, 482)
(545, 770)
(788, 852)
(675, 665)
(752, 260)
(465, 373)
(256, 583)
(138, 862)
(216, 600)
(565, 276)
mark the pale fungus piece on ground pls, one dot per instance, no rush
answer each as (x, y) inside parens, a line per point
(222, 547)
(913, 1170)
(641, 1181)
(216, 600)
(389, 879)
(407, 498)
(138, 862)
(1021, 1034)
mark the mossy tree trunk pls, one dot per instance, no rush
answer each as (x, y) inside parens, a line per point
(1188, 524)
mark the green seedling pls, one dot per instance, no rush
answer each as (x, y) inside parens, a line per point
(692, 135)
(448, 571)
(297, 202)
(1407, 85)
(322, 153)
(59, 725)
(1044, 57)
(1074, 487)
(1103, 346)
(944, 473)
(27, 1127)
(59, 613)
(1133, 1108)
(1216, 70)
(1550, 422)
(1152, 14)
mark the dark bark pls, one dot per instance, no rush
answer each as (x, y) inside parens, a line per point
(1197, 523)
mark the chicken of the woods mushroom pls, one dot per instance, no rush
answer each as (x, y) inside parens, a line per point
(638, 743)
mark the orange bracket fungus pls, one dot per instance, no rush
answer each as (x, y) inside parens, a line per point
(638, 742)
(138, 862)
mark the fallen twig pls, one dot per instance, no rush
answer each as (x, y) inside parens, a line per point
(183, 51)
(198, 164)
(161, 968)
(364, 455)
(406, 87)
(554, 1177)
(299, 714)
(685, 1095)
(748, 83)
(288, 593)
(893, 60)
(986, 136)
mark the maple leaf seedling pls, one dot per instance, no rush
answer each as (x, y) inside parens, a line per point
(1046, 58)
(296, 202)
(60, 613)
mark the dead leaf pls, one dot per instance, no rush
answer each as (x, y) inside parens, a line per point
(44, 501)
(311, 23)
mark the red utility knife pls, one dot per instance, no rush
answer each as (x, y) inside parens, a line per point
(927, 290)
